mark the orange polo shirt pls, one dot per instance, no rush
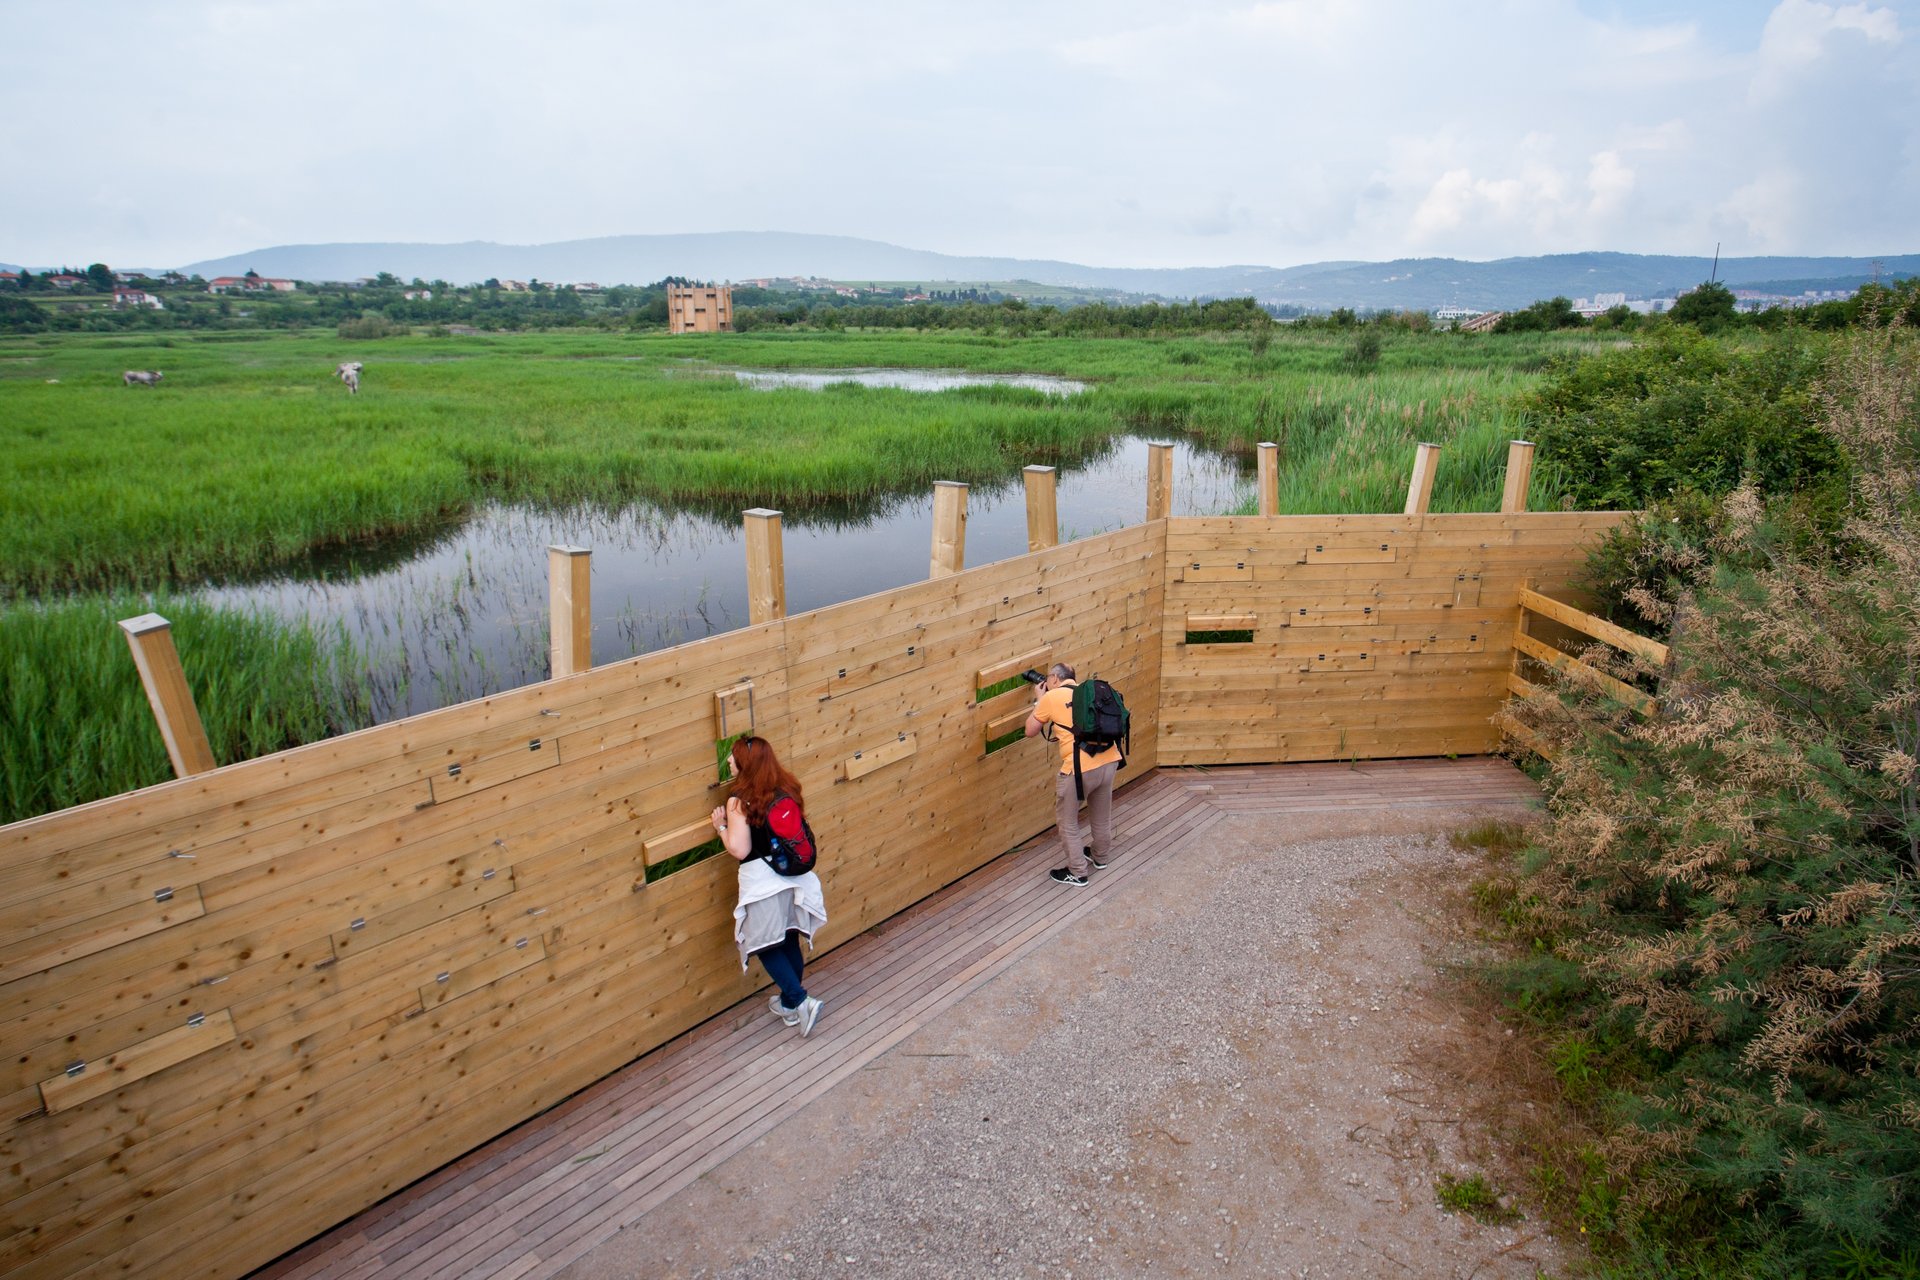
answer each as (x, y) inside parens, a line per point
(1056, 708)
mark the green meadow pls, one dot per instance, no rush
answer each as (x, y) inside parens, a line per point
(250, 456)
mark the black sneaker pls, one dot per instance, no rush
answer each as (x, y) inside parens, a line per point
(1096, 863)
(1065, 876)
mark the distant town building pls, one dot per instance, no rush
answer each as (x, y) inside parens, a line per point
(249, 284)
(137, 298)
(1447, 315)
(418, 295)
(699, 309)
(64, 281)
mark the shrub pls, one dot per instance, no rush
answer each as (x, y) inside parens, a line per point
(1680, 410)
(1736, 878)
(372, 326)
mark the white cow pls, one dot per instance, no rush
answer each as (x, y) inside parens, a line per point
(349, 373)
(140, 378)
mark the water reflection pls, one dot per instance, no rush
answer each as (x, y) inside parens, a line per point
(905, 379)
(465, 615)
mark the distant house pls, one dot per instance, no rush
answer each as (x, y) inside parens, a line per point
(1447, 315)
(11, 277)
(137, 298)
(64, 281)
(513, 286)
(418, 295)
(249, 284)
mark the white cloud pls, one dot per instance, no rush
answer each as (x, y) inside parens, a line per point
(1108, 131)
(1800, 34)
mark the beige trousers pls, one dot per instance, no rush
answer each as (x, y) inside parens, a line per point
(1066, 814)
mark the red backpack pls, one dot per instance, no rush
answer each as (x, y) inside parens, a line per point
(791, 850)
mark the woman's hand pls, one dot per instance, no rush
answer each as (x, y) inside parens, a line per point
(719, 819)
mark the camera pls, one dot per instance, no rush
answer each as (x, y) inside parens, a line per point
(1033, 677)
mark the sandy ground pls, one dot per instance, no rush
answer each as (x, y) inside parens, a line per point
(1251, 1063)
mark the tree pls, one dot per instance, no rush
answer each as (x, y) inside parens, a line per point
(1708, 307)
(100, 275)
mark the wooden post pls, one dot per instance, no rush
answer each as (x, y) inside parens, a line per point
(570, 609)
(949, 528)
(766, 567)
(1269, 479)
(1159, 481)
(1426, 461)
(1519, 476)
(1043, 519)
(150, 636)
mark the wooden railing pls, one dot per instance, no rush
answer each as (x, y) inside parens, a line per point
(247, 1003)
(1527, 647)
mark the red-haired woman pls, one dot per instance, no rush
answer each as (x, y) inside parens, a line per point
(774, 911)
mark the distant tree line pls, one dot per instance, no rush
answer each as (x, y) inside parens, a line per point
(382, 306)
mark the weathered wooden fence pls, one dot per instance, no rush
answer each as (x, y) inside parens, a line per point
(1533, 652)
(245, 1004)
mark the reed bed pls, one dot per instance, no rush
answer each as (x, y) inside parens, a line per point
(75, 726)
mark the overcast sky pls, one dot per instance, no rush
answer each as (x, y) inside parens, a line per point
(1108, 132)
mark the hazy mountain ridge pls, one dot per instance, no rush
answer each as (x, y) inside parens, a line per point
(1418, 283)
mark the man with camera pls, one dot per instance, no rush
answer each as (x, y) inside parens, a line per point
(1052, 718)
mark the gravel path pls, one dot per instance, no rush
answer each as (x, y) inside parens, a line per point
(1228, 1069)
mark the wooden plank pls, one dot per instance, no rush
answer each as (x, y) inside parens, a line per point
(1222, 621)
(1032, 659)
(1599, 628)
(150, 637)
(69, 1089)
(862, 763)
(1570, 666)
(668, 844)
(1426, 465)
(1323, 553)
(364, 932)
(766, 566)
(1001, 726)
(525, 951)
(164, 909)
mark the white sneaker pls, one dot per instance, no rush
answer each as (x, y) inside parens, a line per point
(789, 1016)
(807, 1014)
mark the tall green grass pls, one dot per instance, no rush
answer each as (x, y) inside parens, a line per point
(75, 724)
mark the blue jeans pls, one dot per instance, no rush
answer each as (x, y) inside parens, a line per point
(784, 964)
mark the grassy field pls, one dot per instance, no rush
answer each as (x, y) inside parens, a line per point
(251, 456)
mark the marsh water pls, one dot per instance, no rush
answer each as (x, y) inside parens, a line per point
(905, 379)
(462, 613)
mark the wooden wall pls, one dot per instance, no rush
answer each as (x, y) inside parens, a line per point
(300, 982)
(1373, 636)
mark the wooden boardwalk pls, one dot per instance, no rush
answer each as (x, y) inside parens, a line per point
(554, 1188)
